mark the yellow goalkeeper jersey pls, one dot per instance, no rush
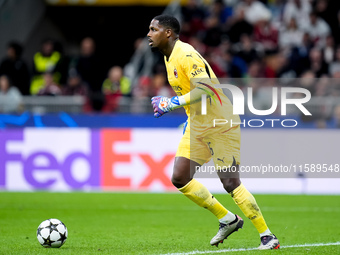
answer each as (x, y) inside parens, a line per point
(186, 70)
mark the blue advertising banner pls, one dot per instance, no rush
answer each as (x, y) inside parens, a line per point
(63, 119)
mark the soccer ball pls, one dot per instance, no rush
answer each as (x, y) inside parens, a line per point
(52, 233)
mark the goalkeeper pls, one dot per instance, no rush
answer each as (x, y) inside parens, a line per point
(191, 76)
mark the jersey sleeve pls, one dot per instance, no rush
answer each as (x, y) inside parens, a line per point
(202, 79)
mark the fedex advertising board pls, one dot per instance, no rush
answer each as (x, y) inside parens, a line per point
(71, 159)
(64, 159)
(59, 159)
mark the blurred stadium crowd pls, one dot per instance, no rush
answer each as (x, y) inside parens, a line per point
(250, 39)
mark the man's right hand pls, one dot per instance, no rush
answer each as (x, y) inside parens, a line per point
(162, 105)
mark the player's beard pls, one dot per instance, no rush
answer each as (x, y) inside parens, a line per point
(154, 49)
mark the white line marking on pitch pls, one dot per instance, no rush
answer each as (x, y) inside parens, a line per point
(254, 249)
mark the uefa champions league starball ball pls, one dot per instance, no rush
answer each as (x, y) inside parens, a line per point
(52, 233)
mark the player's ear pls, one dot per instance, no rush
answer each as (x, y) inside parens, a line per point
(168, 32)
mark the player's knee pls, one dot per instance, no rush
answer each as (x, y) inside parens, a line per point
(179, 181)
(230, 184)
(181, 174)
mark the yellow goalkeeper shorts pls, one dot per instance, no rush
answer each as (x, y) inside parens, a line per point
(223, 146)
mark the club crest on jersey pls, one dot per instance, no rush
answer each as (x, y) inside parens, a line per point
(175, 73)
(194, 66)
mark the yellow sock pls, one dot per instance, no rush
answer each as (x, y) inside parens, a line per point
(195, 191)
(247, 203)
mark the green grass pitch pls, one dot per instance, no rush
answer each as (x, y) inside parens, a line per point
(142, 223)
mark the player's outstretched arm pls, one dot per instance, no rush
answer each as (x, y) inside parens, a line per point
(162, 105)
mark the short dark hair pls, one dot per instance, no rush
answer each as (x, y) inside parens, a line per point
(169, 22)
(16, 47)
